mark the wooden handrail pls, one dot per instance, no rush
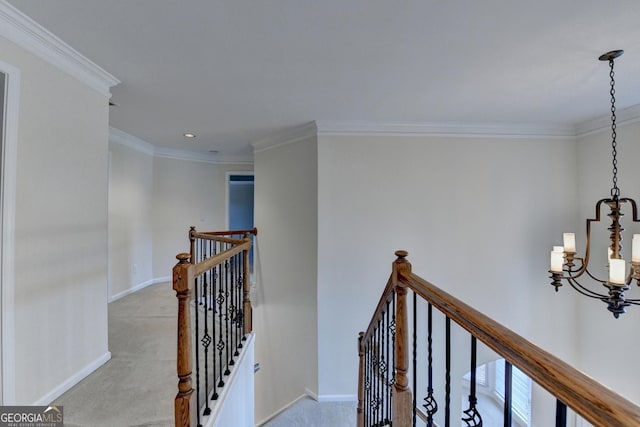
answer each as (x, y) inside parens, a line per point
(204, 234)
(207, 264)
(591, 400)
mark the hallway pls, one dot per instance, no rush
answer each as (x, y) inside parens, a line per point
(137, 386)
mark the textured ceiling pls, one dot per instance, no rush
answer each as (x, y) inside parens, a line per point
(235, 72)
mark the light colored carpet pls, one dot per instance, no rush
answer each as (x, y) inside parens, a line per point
(309, 413)
(137, 386)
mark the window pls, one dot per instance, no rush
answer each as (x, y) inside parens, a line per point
(481, 376)
(490, 394)
(520, 390)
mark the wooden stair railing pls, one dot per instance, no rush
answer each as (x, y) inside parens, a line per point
(211, 283)
(384, 394)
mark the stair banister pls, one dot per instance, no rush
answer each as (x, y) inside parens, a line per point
(591, 400)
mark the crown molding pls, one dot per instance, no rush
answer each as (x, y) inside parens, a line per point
(493, 130)
(123, 138)
(118, 136)
(623, 116)
(28, 34)
(290, 136)
(171, 153)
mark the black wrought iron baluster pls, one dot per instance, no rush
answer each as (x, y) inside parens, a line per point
(383, 369)
(392, 328)
(202, 252)
(226, 315)
(415, 357)
(220, 301)
(561, 414)
(365, 377)
(368, 384)
(206, 341)
(374, 378)
(231, 313)
(430, 402)
(197, 355)
(447, 387)
(238, 310)
(390, 368)
(378, 383)
(211, 271)
(471, 416)
(214, 282)
(241, 301)
(508, 409)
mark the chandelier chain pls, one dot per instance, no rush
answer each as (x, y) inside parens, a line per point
(615, 191)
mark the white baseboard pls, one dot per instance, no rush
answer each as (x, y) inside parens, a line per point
(73, 380)
(337, 398)
(311, 394)
(139, 287)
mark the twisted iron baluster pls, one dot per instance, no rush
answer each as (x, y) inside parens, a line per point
(473, 418)
(447, 393)
(376, 371)
(206, 341)
(415, 357)
(220, 300)
(197, 345)
(214, 281)
(383, 367)
(226, 315)
(430, 402)
(232, 310)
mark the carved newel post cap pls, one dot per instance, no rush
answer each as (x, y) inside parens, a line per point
(401, 254)
(183, 258)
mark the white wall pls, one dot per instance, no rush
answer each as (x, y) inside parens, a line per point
(285, 314)
(477, 215)
(606, 345)
(185, 193)
(130, 213)
(60, 229)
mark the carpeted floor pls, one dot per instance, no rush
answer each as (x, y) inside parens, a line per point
(138, 385)
(309, 413)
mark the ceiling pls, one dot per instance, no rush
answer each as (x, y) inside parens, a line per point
(236, 72)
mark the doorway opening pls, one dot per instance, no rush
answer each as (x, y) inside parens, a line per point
(240, 196)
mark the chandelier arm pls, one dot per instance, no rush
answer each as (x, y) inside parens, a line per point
(602, 282)
(576, 273)
(585, 291)
(634, 208)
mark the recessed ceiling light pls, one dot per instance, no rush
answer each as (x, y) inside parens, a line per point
(189, 135)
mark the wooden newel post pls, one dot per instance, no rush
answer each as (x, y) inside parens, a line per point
(246, 299)
(360, 414)
(185, 406)
(402, 399)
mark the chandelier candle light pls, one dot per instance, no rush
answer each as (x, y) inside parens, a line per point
(565, 265)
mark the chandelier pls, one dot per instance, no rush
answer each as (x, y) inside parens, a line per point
(566, 266)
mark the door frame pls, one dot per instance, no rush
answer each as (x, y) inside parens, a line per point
(8, 169)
